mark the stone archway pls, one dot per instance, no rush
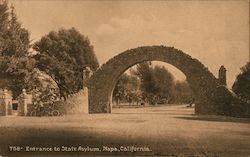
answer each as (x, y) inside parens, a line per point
(201, 80)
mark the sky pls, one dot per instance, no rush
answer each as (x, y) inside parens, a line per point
(215, 32)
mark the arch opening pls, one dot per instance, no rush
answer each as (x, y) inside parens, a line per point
(151, 83)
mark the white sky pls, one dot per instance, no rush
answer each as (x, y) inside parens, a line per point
(215, 32)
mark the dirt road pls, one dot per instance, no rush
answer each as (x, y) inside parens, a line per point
(171, 131)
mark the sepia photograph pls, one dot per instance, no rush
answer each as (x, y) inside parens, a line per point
(124, 78)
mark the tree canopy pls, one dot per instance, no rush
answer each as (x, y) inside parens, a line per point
(126, 87)
(242, 84)
(63, 55)
(156, 83)
(154, 80)
(182, 93)
(14, 38)
(15, 62)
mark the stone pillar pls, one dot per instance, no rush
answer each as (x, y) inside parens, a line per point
(8, 102)
(3, 107)
(5, 103)
(222, 76)
(85, 101)
(23, 104)
(87, 72)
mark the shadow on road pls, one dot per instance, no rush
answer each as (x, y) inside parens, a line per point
(217, 119)
(152, 113)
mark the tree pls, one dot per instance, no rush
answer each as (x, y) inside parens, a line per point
(145, 73)
(181, 92)
(156, 82)
(242, 84)
(15, 38)
(4, 22)
(164, 81)
(63, 55)
(126, 86)
(15, 62)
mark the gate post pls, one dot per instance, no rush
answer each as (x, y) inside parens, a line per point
(5, 103)
(22, 104)
(8, 102)
(3, 107)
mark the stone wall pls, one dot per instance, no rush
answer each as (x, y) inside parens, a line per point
(77, 104)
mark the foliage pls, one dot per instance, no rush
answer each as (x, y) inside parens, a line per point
(242, 84)
(164, 81)
(63, 55)
(125, 88)
(182, 93)
(4, 14)
(156, 82)
(16, 66)
(14, 38)
(157, 85)
(4, 22)
(43, 99)
(19, 73)
(145, 73)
